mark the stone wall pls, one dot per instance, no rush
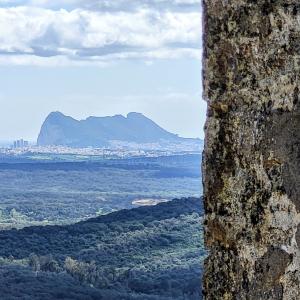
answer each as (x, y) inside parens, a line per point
(251, 163)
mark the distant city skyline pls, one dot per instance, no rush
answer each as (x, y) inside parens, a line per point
(100, 58)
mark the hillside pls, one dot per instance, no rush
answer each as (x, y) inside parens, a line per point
(143, 253)
(59, 129)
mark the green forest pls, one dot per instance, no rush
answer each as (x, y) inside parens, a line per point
(65, 190)
(153, 252)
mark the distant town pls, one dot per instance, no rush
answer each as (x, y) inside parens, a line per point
(117, 149)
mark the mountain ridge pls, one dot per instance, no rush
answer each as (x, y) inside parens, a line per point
(61, 130)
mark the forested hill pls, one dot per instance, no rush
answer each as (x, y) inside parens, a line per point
(144, 253)
(162, 211)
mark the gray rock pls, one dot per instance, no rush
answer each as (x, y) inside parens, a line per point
(252, 151)
(59, 129)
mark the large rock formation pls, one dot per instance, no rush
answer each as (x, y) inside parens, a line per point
(252, 153)
(59, 129)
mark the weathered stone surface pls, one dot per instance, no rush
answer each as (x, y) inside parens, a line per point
(251, 165)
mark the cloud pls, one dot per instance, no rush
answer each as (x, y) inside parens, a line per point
(31, 32)
(120, 5)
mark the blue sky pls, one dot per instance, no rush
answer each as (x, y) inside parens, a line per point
(99, 57)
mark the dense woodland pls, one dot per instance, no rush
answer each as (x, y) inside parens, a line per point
(46, 189)
(144, 253)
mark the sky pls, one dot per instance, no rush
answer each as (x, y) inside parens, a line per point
(98, 58)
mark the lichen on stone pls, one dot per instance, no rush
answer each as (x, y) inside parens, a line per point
(251, 161)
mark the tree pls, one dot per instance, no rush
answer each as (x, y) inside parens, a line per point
(34, 263)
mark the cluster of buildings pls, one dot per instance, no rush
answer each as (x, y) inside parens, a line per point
(20, 144)
(22, 147)
(82, 152)
(117, 149)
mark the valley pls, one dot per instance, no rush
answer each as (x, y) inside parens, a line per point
(97, 223)
(36, 191)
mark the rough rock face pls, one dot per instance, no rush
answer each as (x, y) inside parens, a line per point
(251, 163)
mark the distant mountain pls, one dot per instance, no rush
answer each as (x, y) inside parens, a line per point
(59, 129)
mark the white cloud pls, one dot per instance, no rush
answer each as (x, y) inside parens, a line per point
(44, 36)
(105, 4)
